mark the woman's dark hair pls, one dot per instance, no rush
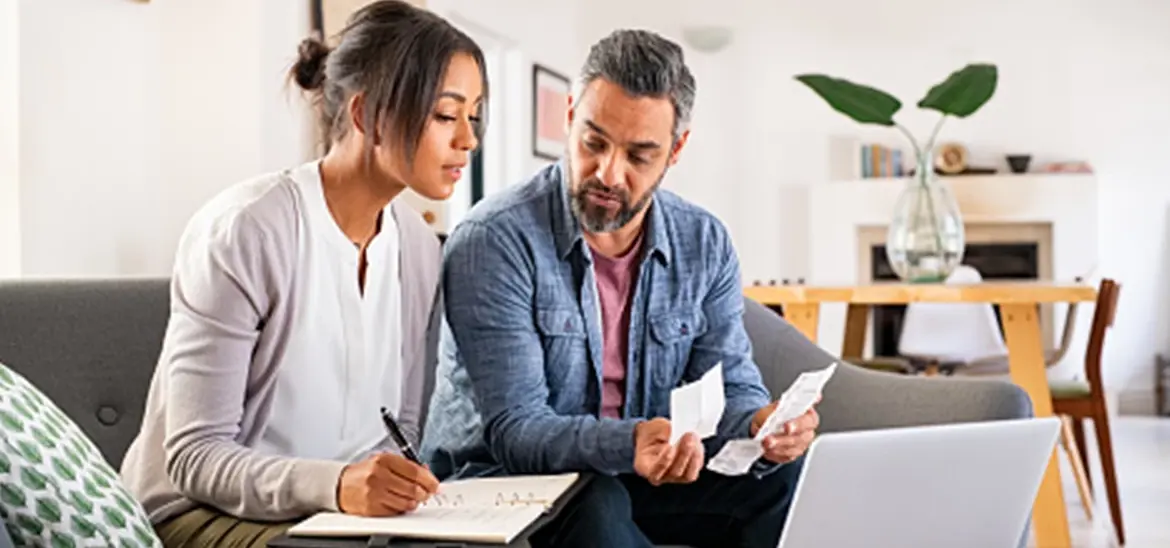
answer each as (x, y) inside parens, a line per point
(396, 55)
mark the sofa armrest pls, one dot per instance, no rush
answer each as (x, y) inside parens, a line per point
(860, 399)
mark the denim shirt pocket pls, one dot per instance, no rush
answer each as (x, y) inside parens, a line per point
(566, 357)
(673, 334)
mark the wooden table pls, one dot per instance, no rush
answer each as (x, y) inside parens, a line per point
(1019, 310)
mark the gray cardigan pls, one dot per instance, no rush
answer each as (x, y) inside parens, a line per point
(223, 357)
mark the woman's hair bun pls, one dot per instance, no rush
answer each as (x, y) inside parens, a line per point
(309, 70)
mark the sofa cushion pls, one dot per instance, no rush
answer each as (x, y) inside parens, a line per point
(55, 487)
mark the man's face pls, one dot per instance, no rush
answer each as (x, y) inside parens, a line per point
(618, 151)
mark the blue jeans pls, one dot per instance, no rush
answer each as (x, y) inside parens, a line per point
(715, 510)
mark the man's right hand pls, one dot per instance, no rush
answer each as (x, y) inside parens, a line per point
(384, 485)
(659, 462)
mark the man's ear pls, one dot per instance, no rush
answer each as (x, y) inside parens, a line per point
(678, 146)
(568, 114)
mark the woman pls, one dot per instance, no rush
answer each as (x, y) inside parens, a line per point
(302, 301)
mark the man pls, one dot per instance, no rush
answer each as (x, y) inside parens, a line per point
(579, 300)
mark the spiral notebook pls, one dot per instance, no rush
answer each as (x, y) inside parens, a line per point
(493, 510)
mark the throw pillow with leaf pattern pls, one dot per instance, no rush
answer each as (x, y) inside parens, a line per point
(56, 489)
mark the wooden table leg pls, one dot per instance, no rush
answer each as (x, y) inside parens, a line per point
(805, 317)
(1026, 361)
(856, 322)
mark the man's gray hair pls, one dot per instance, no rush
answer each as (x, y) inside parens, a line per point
(644, 64)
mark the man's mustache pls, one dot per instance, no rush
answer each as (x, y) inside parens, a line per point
(595, 186)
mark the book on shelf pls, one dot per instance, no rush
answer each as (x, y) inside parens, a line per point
(490, 510)
(879, 161)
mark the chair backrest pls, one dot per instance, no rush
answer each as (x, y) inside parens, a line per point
(858, 398)
(1108, 293)
(952, 332)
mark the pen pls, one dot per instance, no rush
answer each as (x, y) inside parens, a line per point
(396, 433)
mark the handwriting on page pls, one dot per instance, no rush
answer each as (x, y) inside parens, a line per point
(458, 500)
(737, 456)
(501, 491)
(698, 406)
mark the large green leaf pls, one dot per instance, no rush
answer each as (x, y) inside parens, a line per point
(963, 92)
(862, 103)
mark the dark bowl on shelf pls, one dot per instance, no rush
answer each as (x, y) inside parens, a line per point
(1019, 162)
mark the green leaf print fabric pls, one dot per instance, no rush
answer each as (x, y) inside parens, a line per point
(56, 489)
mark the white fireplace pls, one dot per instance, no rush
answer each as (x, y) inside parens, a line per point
(1056, 212)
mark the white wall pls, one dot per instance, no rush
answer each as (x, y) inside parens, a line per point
(9, 135)
(89, 145)
(132, 114)
(1078, 80)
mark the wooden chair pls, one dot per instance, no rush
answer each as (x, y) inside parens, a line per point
(958, 338)
(1082, 400)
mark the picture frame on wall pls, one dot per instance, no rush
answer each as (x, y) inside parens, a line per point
(550, 103)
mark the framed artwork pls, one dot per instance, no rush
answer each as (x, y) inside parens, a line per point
(550, 103)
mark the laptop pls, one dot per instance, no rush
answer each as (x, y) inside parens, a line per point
(956, 485)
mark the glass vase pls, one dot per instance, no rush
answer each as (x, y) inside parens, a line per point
(926, 240)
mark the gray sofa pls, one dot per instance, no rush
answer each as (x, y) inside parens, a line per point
(91, 346)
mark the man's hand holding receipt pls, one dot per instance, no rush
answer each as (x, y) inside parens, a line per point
(782, 431)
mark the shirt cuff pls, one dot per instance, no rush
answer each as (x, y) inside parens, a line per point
(316, 482)
(617, 447)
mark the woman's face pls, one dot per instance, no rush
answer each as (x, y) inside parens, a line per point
(449, 136)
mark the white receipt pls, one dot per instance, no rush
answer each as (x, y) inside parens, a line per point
(698, 406)
(737, 456)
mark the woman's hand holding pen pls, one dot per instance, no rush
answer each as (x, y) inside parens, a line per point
(384, 485)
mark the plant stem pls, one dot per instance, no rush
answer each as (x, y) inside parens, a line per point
(934, 134)
(924, 172)
(923, 176)
(913, 141)
(933, 216)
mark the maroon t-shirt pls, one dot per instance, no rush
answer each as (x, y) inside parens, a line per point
(615, 288)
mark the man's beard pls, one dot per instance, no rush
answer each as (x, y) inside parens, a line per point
(598, 219)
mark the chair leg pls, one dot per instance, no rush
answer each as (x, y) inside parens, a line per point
(1078, 430)
(1067, 441)
(1105, 444)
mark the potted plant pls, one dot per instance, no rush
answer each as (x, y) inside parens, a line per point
(925, 241)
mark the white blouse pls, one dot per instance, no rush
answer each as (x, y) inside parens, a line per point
(344, 356)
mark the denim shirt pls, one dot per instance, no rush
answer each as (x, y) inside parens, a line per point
(518, 385)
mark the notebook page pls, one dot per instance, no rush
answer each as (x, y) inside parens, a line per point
(482, 525)
(542, 491)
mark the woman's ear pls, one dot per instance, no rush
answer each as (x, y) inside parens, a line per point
(357, 116)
